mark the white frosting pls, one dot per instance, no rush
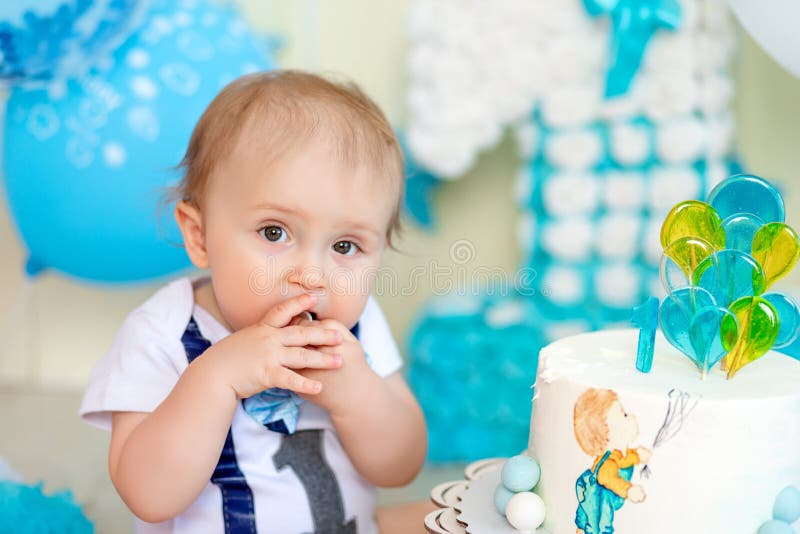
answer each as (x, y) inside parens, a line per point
(722, 469)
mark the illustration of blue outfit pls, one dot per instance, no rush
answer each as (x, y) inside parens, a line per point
(602, 490)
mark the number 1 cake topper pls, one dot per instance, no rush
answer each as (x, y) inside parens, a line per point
(719, 259)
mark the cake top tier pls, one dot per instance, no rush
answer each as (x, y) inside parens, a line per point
(603, 359)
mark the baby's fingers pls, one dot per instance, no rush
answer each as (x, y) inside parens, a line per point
(282, 313)
(288, 379)
(300, 336)
(303, 358)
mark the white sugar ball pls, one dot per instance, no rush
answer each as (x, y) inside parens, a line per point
(525, 511)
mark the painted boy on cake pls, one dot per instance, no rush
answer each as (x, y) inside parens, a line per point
(605, 431)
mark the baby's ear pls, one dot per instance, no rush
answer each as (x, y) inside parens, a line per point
(190, 221)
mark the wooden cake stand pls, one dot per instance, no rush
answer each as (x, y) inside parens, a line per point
(467, 506)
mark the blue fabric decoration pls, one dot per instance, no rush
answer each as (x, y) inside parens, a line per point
(106, 144)
(474, 360)
(27, 510)
(421, 187)
(43, 41)
(633, 23)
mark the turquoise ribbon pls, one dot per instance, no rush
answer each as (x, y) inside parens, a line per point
(633, 23)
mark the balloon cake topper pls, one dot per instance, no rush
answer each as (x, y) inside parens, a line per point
(720, 257)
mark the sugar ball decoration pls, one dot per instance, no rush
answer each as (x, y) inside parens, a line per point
(501, 497)
(773, 526)
(525, 511)
(520, 473)
(787, 505)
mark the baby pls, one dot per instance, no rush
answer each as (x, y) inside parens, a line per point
(267, 396)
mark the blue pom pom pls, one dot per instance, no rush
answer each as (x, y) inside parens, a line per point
(520, 473)
(501, 497)
(787, 505)
(773, 526)
(27, 510)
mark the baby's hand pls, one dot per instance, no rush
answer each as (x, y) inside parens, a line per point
(636, 494)
(644, 455)
(340, 386)
(263, 355)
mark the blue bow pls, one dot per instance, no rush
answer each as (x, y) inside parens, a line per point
(277, 408)
(633, 23)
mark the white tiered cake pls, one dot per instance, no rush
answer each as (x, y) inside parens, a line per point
(721, 449)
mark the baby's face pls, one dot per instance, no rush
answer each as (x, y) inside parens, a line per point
(304, 223)
(622, 427)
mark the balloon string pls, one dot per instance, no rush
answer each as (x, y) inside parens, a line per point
(678, 410)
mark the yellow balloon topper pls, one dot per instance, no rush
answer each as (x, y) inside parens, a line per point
(776, 247)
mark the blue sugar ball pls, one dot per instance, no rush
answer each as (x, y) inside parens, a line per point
(520, 473)
(501, 497)
(787, 505)
(773, 526)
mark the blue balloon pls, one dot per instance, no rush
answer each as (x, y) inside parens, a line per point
(87, 161)
(43, 40)
(747, 194)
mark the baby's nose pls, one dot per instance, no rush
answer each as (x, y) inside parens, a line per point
(310, 276)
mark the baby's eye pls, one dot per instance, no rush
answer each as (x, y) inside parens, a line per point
(273, 233)
(346, 248)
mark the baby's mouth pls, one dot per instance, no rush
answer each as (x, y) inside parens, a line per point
(313, 316)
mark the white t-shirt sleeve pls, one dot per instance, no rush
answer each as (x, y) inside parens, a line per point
(136, 374)
(377, 341)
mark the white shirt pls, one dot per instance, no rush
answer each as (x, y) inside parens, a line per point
(146, 360)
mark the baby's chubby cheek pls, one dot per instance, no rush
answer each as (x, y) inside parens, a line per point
(346, 309)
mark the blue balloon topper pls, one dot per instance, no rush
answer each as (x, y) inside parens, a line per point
(739, 231)
(747, 194)
(87, 161)
(676, 315)
(692, 253)
(732, 276)
(709, 345)
(788, 317)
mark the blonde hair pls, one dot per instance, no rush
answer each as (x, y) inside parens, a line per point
(591, 427)
(282, 108)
